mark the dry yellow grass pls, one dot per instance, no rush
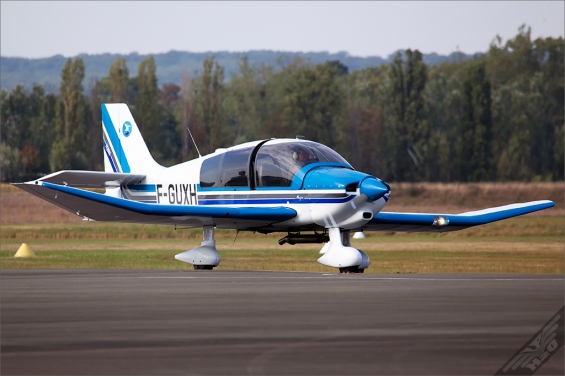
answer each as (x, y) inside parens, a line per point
(457, 198)
(522, 227)
(388, 255)
(22, 207)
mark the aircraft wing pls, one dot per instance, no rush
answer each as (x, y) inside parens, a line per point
(428, 222)
(100, 207)
(91, 179)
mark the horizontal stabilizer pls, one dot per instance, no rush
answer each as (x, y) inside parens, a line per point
(112, 209)
(91, 179)
(429, 222)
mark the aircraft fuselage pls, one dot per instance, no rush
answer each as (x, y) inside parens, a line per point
(323, 189)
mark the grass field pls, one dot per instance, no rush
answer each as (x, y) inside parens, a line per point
(519, 245)
(528, 244)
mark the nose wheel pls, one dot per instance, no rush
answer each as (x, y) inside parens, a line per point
(351, 270)
(338, 253)
(203, 267)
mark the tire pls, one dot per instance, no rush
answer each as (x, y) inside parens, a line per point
(203, 267)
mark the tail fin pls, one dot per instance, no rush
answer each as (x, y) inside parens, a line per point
(124, 148)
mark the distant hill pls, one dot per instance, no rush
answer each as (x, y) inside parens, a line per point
(171, 65)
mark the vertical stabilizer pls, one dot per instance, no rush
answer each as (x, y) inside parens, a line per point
(124, 148)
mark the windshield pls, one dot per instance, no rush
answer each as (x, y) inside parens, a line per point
(277, 164)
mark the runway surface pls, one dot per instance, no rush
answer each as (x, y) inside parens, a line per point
(147, 322)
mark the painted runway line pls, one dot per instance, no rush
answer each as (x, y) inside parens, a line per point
(346, 278)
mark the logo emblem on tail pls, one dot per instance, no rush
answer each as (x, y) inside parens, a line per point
(126, 128)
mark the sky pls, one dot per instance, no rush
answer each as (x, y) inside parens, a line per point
(46, 28)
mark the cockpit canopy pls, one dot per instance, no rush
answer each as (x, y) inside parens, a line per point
(274, 163)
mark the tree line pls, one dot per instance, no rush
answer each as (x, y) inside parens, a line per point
(497, 117)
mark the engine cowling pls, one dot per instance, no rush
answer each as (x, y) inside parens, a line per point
(363, 196)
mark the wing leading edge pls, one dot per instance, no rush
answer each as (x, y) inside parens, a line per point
(100, 207)
(428, 222)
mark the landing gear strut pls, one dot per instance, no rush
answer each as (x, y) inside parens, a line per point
(338, 253)
(205, 257)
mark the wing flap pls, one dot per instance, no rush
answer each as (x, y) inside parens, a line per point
(428, 222)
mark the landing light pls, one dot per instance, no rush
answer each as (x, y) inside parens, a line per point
(440, 221)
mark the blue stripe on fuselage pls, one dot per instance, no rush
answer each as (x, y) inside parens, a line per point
(142, 188)
(249, 201)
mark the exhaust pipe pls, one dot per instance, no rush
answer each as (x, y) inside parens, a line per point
(293, 239)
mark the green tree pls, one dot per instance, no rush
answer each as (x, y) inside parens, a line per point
(476, 136)
(441, 140)
(363, 137)
(527, 77)
(512, 61)
(209, 94)
(43, 109)
(416, 116)
(154, 111)
(188, 123)
(69, 147)
(558, 153)
(407, 125)
(11, 164)
(550, 54)
(146, 105)
(168, 142)
(241, 103)
(538, 109)
(11, 105)
(15, 117)
(27, 132)
(525, 133)
(95, 126)
(514, 133)
(311, 101)
(119, 77)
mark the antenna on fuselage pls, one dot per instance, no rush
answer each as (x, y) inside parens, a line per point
(194, 142)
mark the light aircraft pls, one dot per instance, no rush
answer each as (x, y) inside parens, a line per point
(292, 186)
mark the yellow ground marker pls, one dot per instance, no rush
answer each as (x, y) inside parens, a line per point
(24, 251)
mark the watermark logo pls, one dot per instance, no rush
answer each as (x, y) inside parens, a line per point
(126, 128)
(537, 350)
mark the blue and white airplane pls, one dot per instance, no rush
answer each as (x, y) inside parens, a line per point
(292, 186)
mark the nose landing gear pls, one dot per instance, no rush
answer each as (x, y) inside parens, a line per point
(338, 253)
(350, 270)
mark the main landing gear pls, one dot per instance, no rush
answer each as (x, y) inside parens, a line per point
(205, 257)
(338, 253)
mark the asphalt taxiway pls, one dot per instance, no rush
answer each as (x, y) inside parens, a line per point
(146, 322)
